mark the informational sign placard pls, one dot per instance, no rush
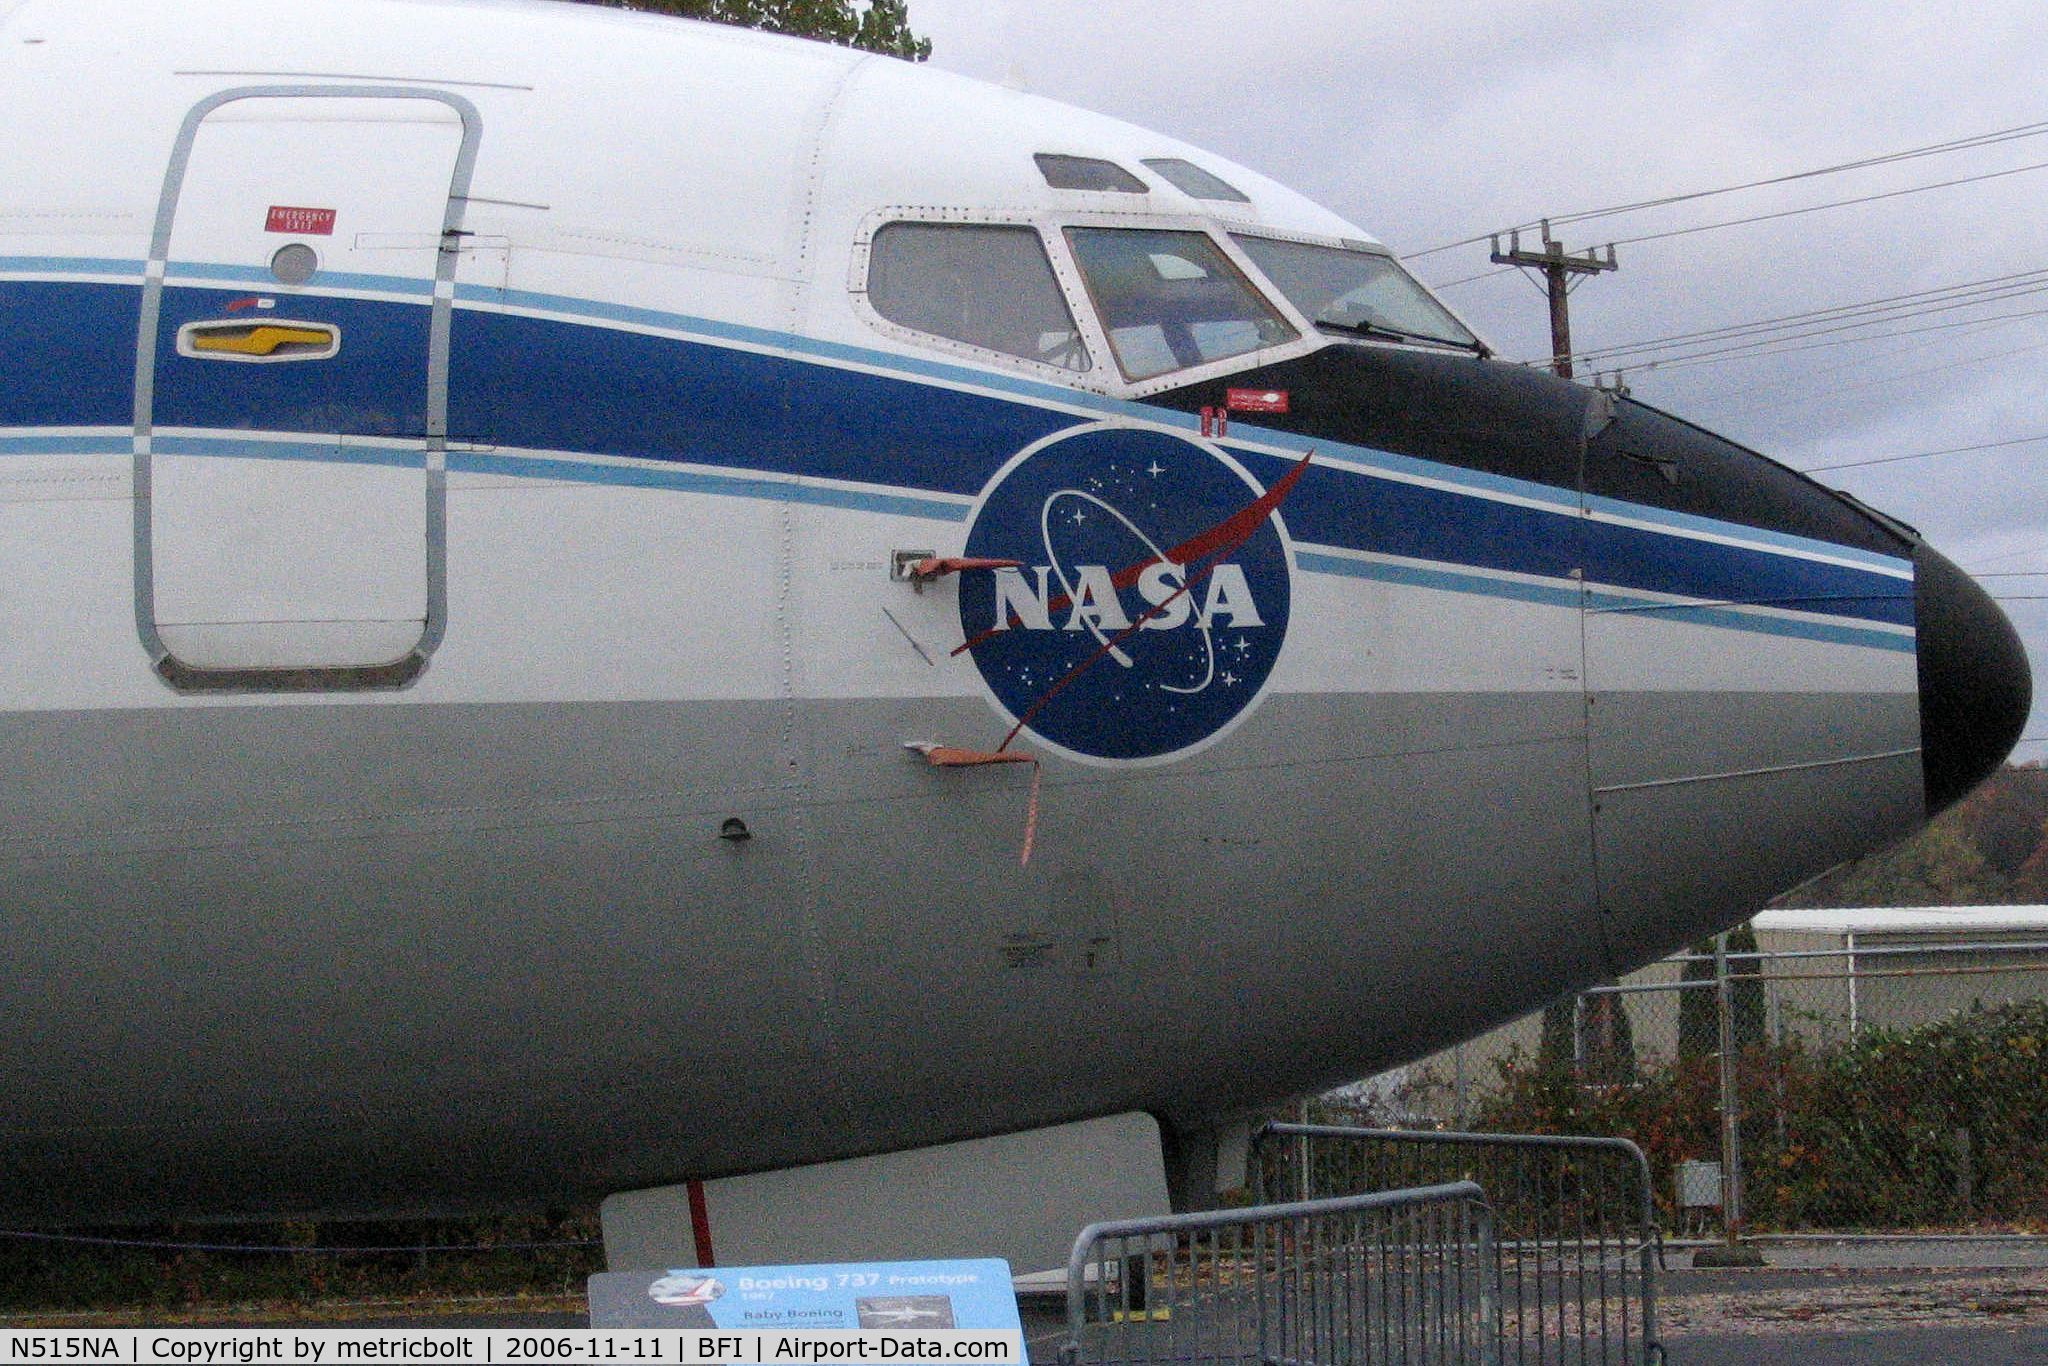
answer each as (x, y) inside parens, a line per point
(906, 1296)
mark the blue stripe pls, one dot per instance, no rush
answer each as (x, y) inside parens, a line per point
(1307, 557)
(1725, 616)
(69, 348)
(332, 451)
(544, 384)
(375, 385)
(197, 273)
(1449, 580)
(1686, 521)
(694, 481)
(1386, 461)
(1405, 466)
(1382, 517)
(112, 443)
(821, 350)
(1635, 557)
(1732, 616)
(70, 265)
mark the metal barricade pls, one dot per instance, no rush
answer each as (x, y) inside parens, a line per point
(1577, 1236)
(1398, 1278)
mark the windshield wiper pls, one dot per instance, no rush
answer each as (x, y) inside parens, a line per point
(1384, 332)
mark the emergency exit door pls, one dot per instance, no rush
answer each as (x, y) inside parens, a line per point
(291, 406)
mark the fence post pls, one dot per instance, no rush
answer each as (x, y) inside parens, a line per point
(1733, 1253)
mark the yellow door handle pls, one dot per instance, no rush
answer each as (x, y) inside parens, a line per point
(262, 339)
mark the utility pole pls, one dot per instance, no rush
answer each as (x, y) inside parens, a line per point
(1557, 268)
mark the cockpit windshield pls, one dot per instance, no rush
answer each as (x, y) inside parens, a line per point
(1171, 299)
(1361, 292)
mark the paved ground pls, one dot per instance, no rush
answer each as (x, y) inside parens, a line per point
(1913, 1302)
(1893, 1252)
(1892, 1347)
(1903, 1302)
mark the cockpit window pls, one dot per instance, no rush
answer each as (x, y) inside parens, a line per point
(1196, 183)
(1362, 292)
(1086, 173)
(981, 284)
(1170, 300)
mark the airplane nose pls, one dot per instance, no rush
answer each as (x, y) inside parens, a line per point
(1976, 689)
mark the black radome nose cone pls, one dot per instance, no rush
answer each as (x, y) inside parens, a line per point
(1975, 687)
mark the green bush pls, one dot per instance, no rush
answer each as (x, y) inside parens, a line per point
(446, 1259)
(1860, 1135)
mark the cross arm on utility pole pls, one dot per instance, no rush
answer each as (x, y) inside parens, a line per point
(1558, 266)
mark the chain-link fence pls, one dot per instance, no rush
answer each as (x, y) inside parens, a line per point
(1876, 1078)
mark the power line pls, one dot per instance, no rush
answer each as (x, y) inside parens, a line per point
(1837, 390)
(1830, 204)
(1769, 347)
(1924, 455)
(1468, 279)
(2024, 130)
(2018, 131)
(2005, 555)
(1991, 289)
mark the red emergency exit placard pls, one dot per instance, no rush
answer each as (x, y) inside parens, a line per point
(300, 222)
(1256, 400)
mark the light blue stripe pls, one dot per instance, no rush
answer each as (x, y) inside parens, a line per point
(695, 481)
(1685, 521)
(1724, 617)
(69, 265)
(110, 443)
(184, 273)
(330, 451)
(1549, 495)
(1450, 580)
(1734, 618)
(741, 486)
(529, 467)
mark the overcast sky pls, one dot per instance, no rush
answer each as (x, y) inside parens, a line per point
(1429, 122)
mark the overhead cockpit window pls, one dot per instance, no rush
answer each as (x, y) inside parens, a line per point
(984, 285)
(1086, 173)
(1196, 183)
(1363, 293)
(1171, 300)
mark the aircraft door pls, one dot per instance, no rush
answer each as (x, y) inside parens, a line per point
(291, 393)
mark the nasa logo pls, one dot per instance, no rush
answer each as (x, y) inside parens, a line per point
(1153, 597)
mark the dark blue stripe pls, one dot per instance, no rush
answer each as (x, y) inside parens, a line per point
(545, 384)
(69, 354)
(375, 386)
(1629, 557)
(540, 384)
(1385, 517)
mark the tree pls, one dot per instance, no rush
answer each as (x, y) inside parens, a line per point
(1591, 1035)
(880, 26)
(1938, 867)
(1699, 1010)
(2030, 884)
(2004, 817)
